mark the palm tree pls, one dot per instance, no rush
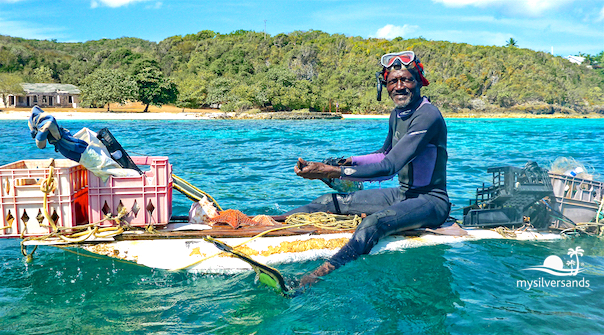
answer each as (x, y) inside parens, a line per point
(512, 43)
(576, 252)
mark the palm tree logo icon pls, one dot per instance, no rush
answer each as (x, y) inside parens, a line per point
(575, 252)
(555, 266)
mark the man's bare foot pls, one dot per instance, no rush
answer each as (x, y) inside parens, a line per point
(313, 277)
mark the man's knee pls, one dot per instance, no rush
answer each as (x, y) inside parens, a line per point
(370, 230)
(372, 221)
(365, 237)
(325, 199)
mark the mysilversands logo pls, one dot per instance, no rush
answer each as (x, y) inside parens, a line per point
(555, 266)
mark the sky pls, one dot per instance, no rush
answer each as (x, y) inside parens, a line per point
(569, 27)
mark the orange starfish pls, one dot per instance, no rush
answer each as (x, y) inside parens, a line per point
(234, 218)
(264, 220)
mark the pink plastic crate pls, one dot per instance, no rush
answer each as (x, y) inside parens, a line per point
(21, 199)
(147, 198)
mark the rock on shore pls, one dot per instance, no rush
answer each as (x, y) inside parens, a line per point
(275, 116)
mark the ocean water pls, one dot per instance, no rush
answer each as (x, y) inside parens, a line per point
(463, 288)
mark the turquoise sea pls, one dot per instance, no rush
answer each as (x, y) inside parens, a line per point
(464, 288)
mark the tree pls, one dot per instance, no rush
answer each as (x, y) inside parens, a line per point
(219, 91)
(105, 86)
(153, 87)
(310, 69)
(192, 89)
(10, 84)
(42, 74)
(512, 43)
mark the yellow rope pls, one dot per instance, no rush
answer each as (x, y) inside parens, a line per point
(112, 231)
(598, 216)
(505, 232)
(79, 239)
(48, 185)
(92, 229)
(583, 226)
(325, 220)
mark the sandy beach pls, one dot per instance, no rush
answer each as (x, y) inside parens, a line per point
(173, 113)
(21, 115)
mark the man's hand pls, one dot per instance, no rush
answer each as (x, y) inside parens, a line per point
(347, 162)
(315, 170)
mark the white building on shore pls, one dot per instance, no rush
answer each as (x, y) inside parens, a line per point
(44, 95)
(575, 59)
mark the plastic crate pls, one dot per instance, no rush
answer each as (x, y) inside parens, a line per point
(147, 198)
(566, 187)
(576, 198)
(21, 199)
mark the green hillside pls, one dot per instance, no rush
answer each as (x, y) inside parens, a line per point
(244, 70)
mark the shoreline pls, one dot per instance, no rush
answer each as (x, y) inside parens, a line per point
(217, 115)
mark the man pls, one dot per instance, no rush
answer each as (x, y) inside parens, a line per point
(415, 148)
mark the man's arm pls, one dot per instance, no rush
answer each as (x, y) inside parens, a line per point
(315, 170)
(419, 134)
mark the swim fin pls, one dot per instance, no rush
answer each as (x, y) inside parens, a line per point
(267, 275)
(116, 150)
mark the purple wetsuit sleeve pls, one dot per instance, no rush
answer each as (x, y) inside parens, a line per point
(368, 159)
(419, 134)
(383, 178)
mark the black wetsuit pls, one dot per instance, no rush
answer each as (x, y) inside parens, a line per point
(416, 149)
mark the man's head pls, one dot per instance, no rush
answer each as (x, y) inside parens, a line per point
(403, 87)
(404, 77)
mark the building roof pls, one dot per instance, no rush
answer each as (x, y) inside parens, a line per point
(50, 88)
(575, 59)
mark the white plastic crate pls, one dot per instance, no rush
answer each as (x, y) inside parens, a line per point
(21, 199)
(146, 198)
(576, 198)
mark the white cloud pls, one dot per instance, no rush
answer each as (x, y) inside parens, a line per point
(531, 8)
(25, 29)
(156, 5)
(475, 38)
(113, 3)
(601, 15)
(390, 31)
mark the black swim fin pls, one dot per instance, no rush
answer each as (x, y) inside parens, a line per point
(267, 275)
(116, 150)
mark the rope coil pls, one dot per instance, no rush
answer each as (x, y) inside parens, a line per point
(324, 220)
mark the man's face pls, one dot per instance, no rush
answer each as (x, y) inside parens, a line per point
(402, 87)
